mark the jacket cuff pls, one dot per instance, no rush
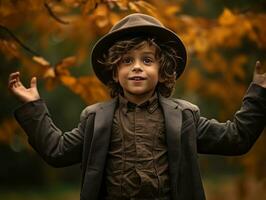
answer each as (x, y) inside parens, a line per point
(258, 92)
(30, 110)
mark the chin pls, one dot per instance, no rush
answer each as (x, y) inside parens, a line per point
(140, 92)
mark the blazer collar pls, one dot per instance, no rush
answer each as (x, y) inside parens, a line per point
(101, 135)
(173, 124)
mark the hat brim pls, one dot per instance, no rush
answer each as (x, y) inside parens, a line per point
(160, 33)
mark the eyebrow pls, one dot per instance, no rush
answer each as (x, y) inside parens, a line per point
(145, 52)
(149, 52)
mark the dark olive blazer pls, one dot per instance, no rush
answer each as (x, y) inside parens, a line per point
(187, 134)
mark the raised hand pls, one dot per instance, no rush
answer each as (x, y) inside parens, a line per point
(259, 76)
(20, 91)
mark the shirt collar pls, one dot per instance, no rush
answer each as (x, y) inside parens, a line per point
(151, 104)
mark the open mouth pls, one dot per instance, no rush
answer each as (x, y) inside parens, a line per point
(136, 78)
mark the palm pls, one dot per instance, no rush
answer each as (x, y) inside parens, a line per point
(25, 93)
(20, 91)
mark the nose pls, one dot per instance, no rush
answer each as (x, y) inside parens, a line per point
(137, 67)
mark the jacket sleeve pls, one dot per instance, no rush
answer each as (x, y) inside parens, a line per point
(55, 147)
(234, 137)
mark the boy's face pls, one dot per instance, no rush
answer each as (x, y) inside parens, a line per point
(138, 73)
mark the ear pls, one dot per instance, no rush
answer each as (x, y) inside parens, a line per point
(115, 76)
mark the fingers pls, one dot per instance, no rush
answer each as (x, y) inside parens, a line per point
(33, 82)
(14, 80)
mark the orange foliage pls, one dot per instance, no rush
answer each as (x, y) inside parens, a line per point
(88, 87)
(203, 37)
(82, 22)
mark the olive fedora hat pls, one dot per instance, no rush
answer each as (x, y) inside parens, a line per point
(134, 25)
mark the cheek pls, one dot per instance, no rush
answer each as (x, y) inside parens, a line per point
(155, 74)
(122, 74)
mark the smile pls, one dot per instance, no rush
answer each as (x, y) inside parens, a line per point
(137, 78)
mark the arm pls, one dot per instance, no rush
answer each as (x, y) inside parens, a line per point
(56, 148)
(238, 136)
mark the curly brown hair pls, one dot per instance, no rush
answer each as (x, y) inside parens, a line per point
(165, 53)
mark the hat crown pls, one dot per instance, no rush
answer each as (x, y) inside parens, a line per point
(136, 25)
(136, 20)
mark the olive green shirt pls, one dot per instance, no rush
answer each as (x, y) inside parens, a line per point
(137, 164)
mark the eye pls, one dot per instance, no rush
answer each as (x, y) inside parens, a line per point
(147, 60)
(126, 60)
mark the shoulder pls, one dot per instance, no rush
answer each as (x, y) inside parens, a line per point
(92, 109)
(185, 105)
(182, 104)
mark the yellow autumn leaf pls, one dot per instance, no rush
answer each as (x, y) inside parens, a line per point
(122, 4)
(68, 62)
(172, 10)
(68, 80)
(40, 60)
(49, 73)
(227, 18)
(62, 67)
(133, 7)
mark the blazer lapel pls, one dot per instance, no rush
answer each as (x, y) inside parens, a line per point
(173, 123)
(101, 137)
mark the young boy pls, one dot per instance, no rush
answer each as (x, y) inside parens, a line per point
(140, 145)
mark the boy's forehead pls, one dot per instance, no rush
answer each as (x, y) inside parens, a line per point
(144, 48)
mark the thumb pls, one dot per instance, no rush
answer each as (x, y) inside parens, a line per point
(258, 68)
(33, 82)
